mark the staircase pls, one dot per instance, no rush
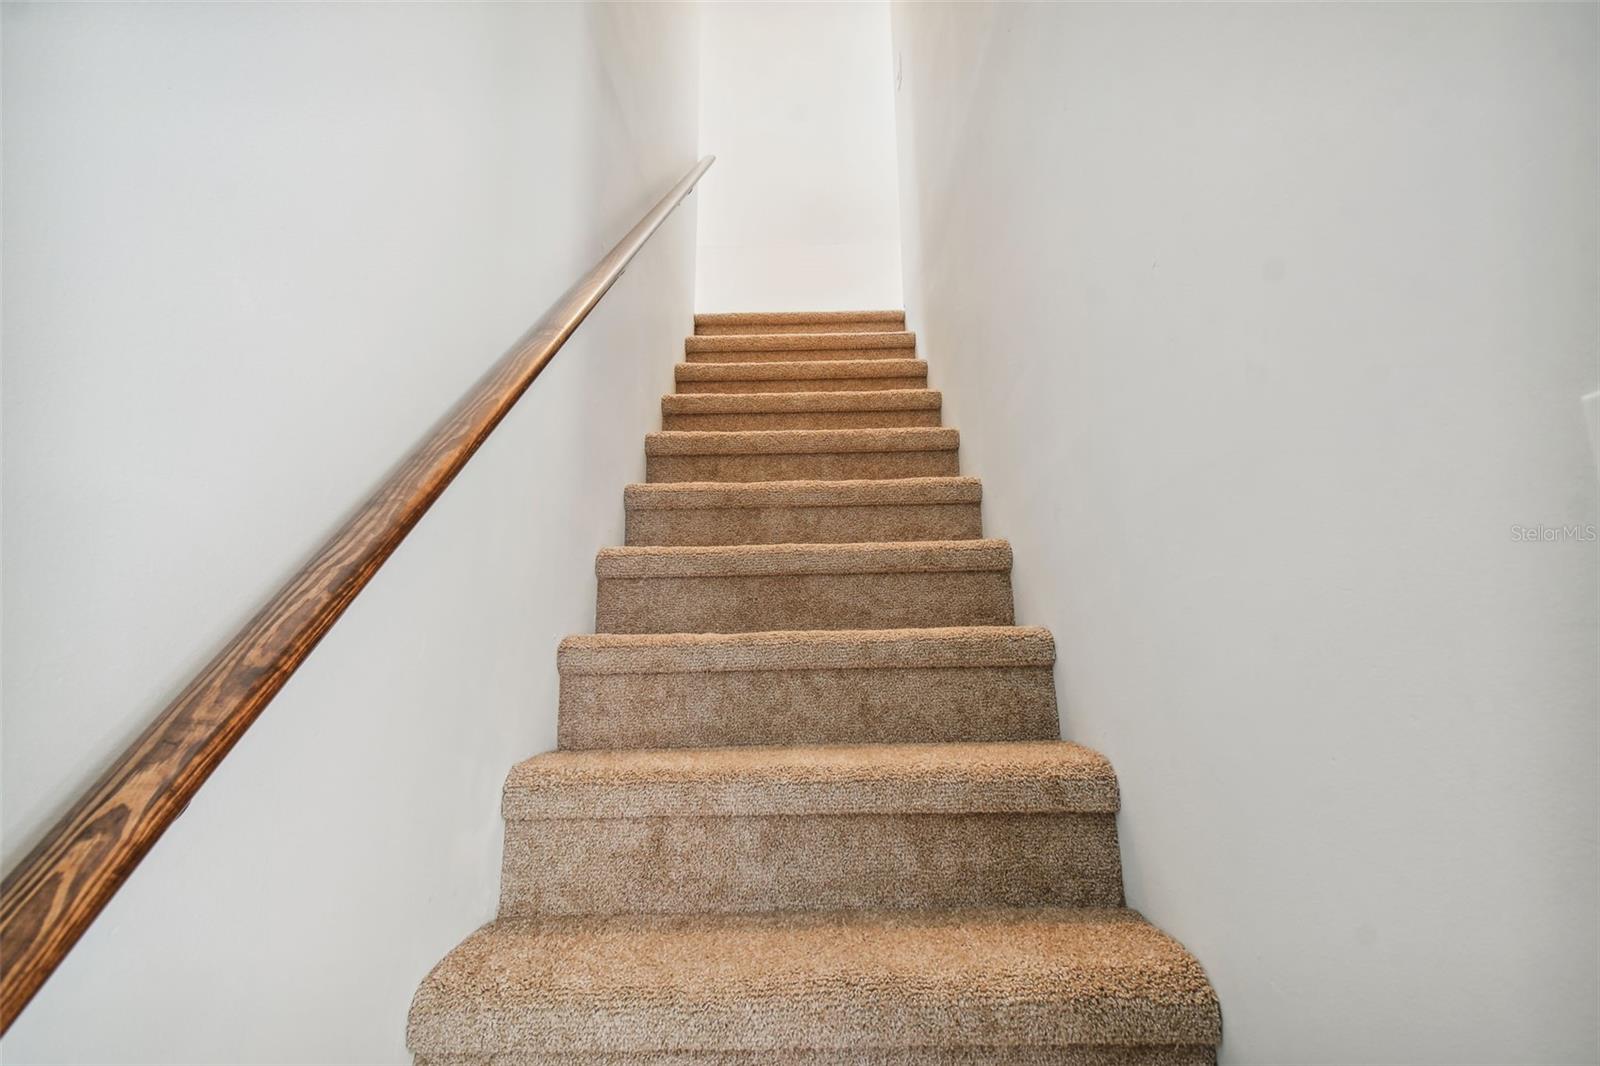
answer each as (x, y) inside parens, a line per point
(810, 804)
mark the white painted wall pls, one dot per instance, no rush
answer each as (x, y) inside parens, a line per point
(1265, 325)
(801, 211)
(251, 253)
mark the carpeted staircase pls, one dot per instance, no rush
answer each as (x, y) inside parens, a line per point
(810, 804)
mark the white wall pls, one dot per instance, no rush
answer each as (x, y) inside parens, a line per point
(797, 104)
(251, 253)
(1265, 325)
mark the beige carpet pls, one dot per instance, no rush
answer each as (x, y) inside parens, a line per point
(819, 687)
(800, 347)
(810, 805)
(804, 512)
(810, 375)
(767, 323)
(746, 588)
(801, 454)
(891, 408)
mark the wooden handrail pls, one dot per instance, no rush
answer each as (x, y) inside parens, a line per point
(48, 901)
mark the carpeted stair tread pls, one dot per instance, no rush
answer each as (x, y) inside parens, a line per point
(1017, 777)
(802, 454)
(715, 495)
(895, 316)
(815, 512)
(837, 649)
(795, 347)
(843, 981)
(778, 342)
(978, 683)
(817, 375)
(743, 560)
(770, 402)
(754, 587)
(803, 441)
(1018, 1055)
(798, 322)
(801, 410)
(715, 830)
(750, 828)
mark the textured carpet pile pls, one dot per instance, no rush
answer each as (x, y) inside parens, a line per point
(810, 804)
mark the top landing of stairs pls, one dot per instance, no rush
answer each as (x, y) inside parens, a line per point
(749, 322)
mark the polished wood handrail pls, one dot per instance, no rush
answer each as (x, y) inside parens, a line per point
(48, 901)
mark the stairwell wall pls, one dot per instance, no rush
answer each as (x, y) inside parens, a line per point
(796, 102)
(252, 252)
(1266, 328)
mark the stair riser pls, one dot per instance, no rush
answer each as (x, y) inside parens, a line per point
(798, 355)
(797, 525)
(728, 708)
(812, 466)
(1060, 1055)
(749, 604)
(802, 420)
(741, 386)
(877, 408)
(779, 329)
(736, 864)
(890, 987)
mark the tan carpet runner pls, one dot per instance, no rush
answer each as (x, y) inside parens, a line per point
(891, 408)
(800, 347)
(801, 454)
(806, 512)
(768, 323)
(820, 687)
(810, 804)
(749, 588)
(810, 375)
